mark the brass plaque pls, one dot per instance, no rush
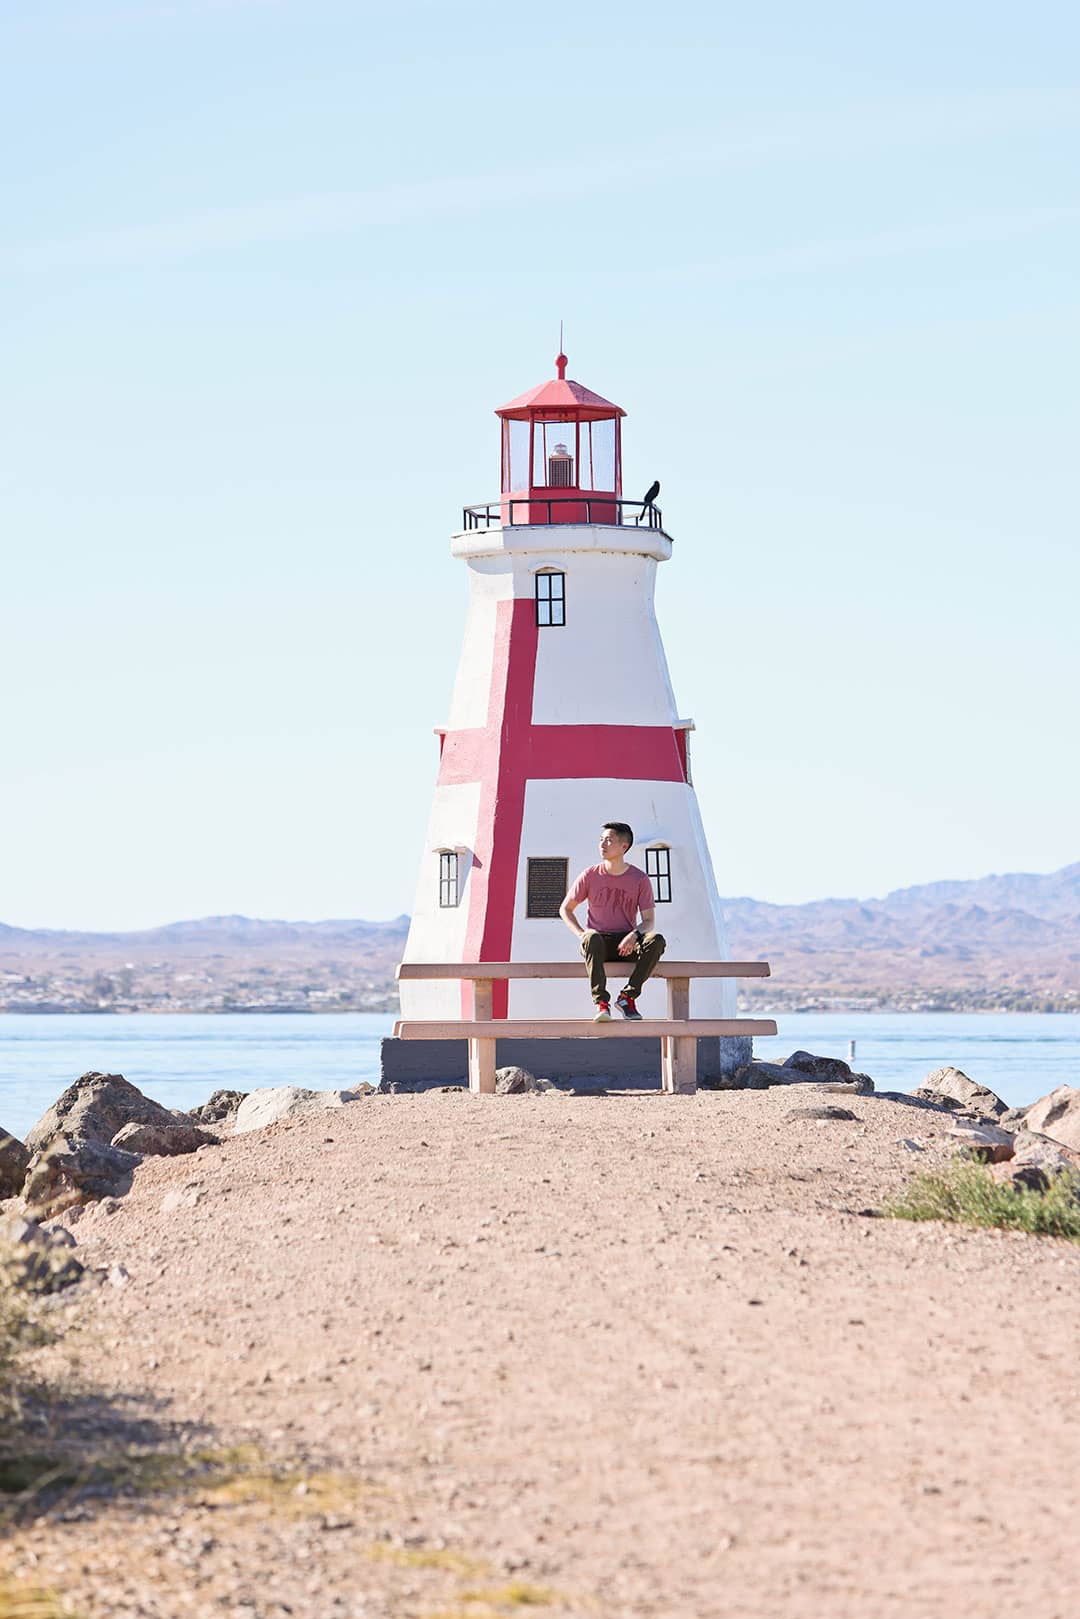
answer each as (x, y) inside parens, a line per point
(547, 884)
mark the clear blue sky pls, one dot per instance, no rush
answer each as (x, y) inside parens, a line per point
(266, 270)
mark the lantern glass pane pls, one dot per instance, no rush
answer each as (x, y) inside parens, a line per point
(602, 437)
(554, 457)
(515, 455)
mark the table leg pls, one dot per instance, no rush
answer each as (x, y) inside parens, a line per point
(482, 997)
(678, 997)
(482, 1067)
(482, 1052)
(678, 1061)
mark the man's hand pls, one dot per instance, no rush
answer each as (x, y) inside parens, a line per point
(628, 945)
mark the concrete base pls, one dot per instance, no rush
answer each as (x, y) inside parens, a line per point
(417, 1065)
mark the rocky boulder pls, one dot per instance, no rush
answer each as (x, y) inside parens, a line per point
(36, 1259)
(951, 1088)
(519, 1082)
(1030, 1146)
(823, 1114)
(1057, 1116)
(14, 1158)
(759, 1076)
(70, 1172)
(274, 1102)
(1036, 1163)
(220, 1109)
(986, 1142)
(826, 1069)
(93, 1109)
(163, 1140)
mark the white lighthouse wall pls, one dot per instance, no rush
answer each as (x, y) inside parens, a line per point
(488, 586)
(563, 818)
(437, 933)
(607, 664)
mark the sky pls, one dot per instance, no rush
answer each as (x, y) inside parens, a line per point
(266, 269)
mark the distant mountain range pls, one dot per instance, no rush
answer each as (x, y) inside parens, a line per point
(212, 964)
(210, 930)
(1009, 942)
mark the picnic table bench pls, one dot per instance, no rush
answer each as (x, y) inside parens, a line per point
(678, 1033)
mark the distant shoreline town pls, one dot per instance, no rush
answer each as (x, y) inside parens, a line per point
(995, 944)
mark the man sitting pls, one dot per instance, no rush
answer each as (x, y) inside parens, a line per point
(616, 893)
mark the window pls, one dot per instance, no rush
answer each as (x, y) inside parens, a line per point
(448, 878)
(546, 886)
(550, 599)
(658, 871)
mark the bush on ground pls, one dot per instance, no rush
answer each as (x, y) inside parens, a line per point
(21, 1328)
(968, 1194)
(17, 1331)
(19, 1601)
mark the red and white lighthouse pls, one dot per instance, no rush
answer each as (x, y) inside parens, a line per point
(562, 717)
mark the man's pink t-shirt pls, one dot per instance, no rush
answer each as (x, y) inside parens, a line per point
(614, 902)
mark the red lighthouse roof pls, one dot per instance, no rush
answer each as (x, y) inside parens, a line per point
(559, 400)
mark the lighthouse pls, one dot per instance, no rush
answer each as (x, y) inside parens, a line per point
(562, 717)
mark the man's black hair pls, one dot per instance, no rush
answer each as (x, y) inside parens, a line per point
(621, 830)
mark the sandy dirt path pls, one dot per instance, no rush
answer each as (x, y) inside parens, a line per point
(627, 1356)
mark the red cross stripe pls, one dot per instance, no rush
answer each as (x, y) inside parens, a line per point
(508, 752)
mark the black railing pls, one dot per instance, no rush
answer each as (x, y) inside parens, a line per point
(607, 510)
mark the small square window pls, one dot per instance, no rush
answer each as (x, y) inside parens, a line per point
(550, 599)
(448, 879)
(658, 871)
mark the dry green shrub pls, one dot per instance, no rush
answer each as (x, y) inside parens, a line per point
(515, 1594)
(441, 1557)
(20, 1329)
(19, 1601)
(967, 1194)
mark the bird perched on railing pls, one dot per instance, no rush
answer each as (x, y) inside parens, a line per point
(650, 495)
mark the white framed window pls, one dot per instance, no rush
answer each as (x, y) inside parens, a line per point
(550, 599)
(658, 871)
(448, 878)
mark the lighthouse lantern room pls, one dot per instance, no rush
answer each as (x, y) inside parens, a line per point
(562, 717)
(561, 454)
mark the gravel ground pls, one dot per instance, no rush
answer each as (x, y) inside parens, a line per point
(624, 1355)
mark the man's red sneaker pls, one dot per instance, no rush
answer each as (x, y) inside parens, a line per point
(627, 1005)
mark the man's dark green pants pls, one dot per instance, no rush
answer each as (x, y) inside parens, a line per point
(597, 948)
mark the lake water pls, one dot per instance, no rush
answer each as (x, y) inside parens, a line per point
(179, 1059)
